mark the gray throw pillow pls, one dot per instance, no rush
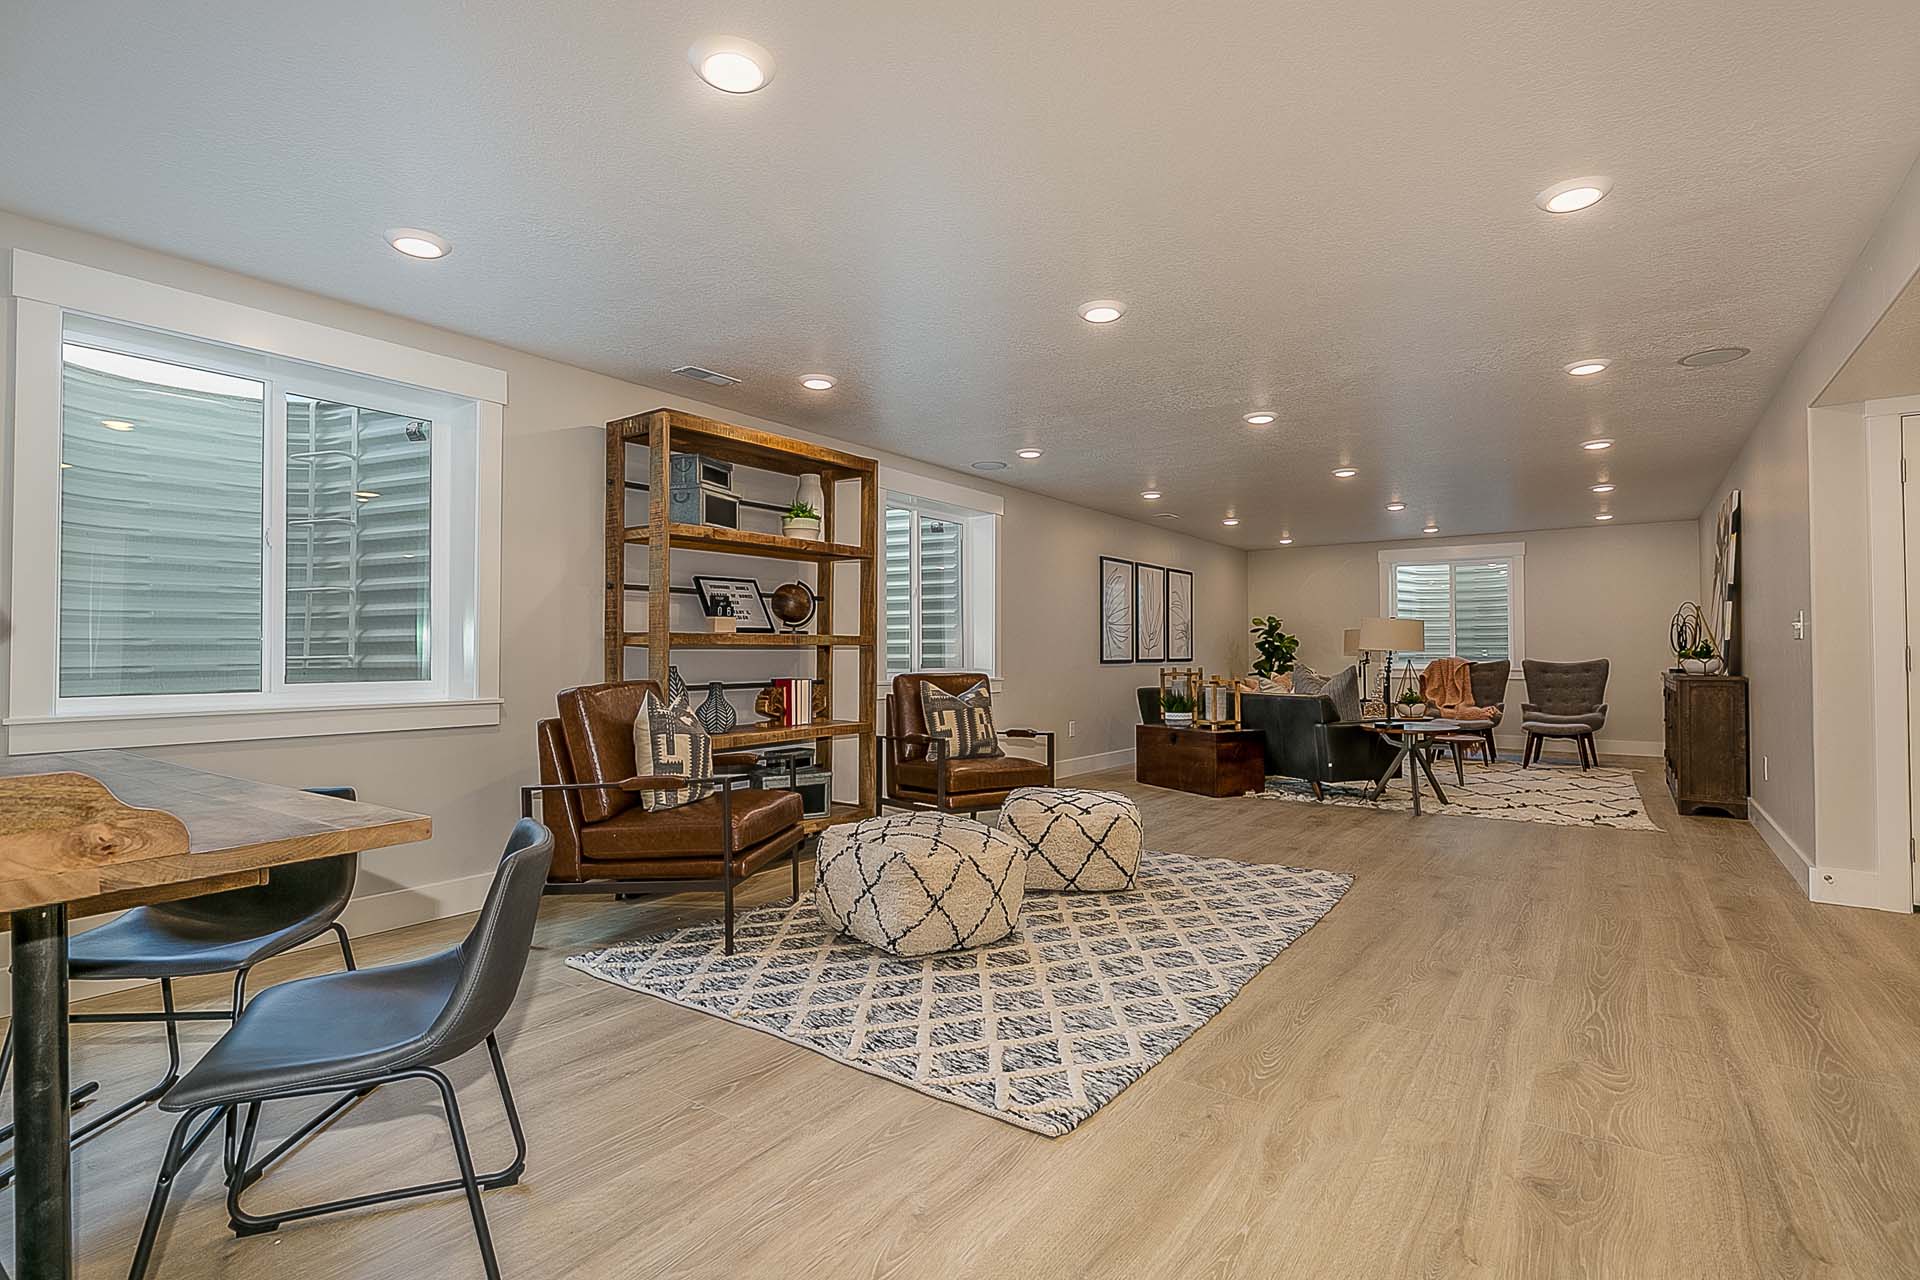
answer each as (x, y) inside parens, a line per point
(670, 741)
(1307, 680)
(1344, 689)
(961, 722)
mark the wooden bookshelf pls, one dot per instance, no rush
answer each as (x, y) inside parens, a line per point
(855, 530)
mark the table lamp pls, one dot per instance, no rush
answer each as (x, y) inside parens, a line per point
(1391, 636)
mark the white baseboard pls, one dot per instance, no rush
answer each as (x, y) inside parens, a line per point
(1608, 746)
(1092, 764)
(1790, 855)
(369, 913)
(1843, 887)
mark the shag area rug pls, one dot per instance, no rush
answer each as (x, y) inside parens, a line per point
(1041, 1029)
(1559, 796)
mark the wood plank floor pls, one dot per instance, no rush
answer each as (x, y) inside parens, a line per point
(1513, 1050)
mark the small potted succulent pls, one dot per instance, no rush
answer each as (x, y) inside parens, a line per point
(1700, 660)
(1412, 705)
(802, 520)
(1176, 709)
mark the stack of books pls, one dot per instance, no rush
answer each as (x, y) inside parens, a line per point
(797, 700)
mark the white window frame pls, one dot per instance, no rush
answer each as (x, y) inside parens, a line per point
(1514, 554)
(464, 685)
(979, 515)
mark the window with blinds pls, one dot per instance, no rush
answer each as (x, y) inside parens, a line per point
(1466, 604)
(189, 567)
(925, 591)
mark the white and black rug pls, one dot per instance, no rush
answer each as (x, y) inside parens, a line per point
(1041, 1029)
(1561, 796)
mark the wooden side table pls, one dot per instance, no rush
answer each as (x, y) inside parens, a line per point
(1206, 762)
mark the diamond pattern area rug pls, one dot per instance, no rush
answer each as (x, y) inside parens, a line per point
(1041, 1029)
(1558, 796)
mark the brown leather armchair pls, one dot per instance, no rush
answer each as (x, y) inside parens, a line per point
(913, 774)
(605, 842)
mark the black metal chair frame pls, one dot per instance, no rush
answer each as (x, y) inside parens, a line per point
(242, 1171)
(724, 883)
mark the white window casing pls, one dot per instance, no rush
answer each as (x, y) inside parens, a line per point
(939, 606)
(310, 372)
(1469, 595)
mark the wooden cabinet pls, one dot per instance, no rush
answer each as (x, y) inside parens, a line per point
(1707, 742)
(1207, 762)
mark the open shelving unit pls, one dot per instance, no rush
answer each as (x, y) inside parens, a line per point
(664, 432)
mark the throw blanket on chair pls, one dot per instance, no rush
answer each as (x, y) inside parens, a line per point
(1448, 688)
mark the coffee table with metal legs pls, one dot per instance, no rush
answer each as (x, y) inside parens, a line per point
(1411, 735)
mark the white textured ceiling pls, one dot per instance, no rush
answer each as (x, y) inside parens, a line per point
(1325, 208)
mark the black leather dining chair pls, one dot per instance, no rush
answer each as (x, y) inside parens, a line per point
(349, 1033)
(228, 932)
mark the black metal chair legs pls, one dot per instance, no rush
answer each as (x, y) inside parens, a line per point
(242, 1170)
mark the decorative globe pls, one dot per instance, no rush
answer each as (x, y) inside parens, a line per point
(794, 604)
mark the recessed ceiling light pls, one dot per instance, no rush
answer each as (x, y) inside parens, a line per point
(1230, 521)
(1573, 195)
(1396, 506)
(115, 424)
(1346, 473)
(1102, 311)
(1258, 418)
(1151, 495)
(1028, 454)
(1604, 515)
(1602, 487)
(731, 64)
(1713, 356)
(1431, 528)
(990, 466)
(1286, 541)
(817, 382)
(1587, 368)
(416, 243)
(1595, 446)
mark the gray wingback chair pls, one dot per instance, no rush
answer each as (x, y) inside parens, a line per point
(1564, 700)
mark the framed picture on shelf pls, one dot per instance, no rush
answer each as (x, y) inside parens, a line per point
(1179, 615)
(1116, 611)
(1149, 613)
(749, 606)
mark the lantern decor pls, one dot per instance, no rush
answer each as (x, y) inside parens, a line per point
(1179, 695)
(1219, 704)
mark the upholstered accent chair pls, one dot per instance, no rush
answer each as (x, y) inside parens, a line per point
(1564, 700)
(1490, 690)
(604, 841)
(1148, 697)
(915, 774)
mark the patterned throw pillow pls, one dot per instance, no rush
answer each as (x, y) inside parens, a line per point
(669, 740)
(1307, 680)
(962, 722)
(1344, 689)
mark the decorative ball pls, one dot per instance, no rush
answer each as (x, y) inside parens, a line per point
(794, 603)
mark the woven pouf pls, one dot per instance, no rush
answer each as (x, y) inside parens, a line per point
(1086, 840)
(913, 884)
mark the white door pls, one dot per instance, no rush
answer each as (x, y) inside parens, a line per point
(1910, 503)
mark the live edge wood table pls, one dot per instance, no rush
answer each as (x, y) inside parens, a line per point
(96, 831)
(1207, 762)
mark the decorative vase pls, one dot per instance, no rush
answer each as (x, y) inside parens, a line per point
(1178, 719)
(1693, 666)
(806, 528)
(811, 492)
(716, 714)
(1716, 666)
(676, 685)
(1413, 710)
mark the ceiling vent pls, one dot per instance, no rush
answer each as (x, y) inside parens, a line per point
(707, 376)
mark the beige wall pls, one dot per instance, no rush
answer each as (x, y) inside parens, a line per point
(551, 579)
(1776, 569)
(1589, 593)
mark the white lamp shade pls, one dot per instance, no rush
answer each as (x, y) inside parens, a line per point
(1350, 639)
(1393, 635)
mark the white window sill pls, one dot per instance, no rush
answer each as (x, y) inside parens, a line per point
(30, 735)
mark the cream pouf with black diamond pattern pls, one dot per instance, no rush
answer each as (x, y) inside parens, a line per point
(1085, 840)
(913, 884)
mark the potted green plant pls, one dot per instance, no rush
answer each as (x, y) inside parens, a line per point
(801, 520)
(1275, 647)
(1701, 660)
(1412, 705)
(1176, 709)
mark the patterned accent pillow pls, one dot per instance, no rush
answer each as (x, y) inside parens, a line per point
(961, 722)
(1344, 689)
(1307, 680)
(668, 739)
